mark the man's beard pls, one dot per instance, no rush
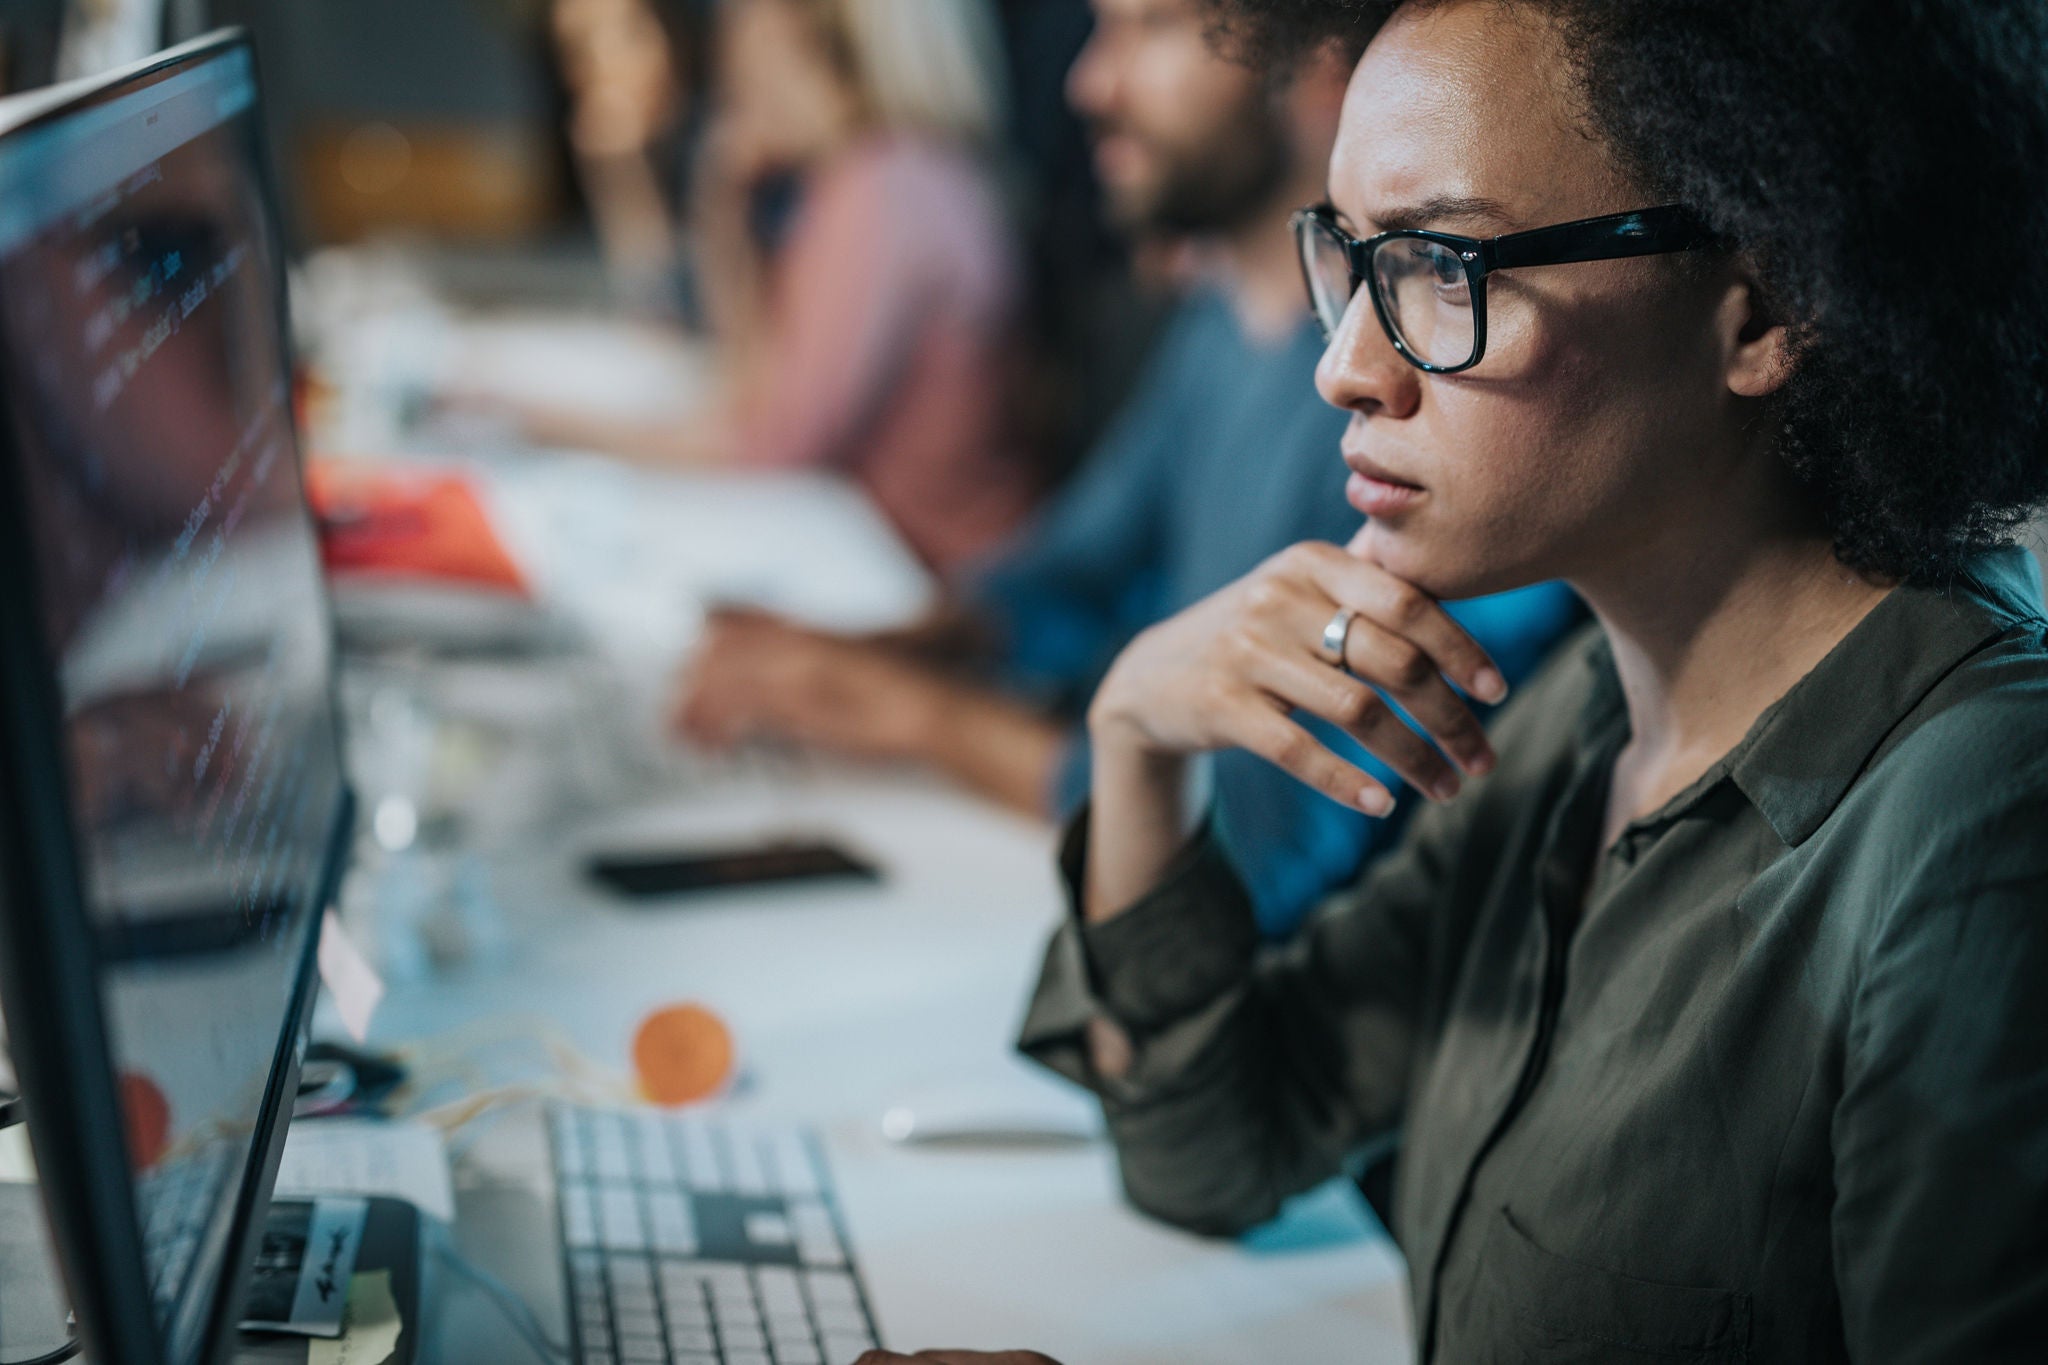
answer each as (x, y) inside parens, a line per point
(1218, 187)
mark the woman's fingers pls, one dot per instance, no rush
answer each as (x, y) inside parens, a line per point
(1411, 677)
(1407, 611)
(1287, 746)
(1359, 711)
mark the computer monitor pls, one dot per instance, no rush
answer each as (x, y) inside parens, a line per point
(173, 812)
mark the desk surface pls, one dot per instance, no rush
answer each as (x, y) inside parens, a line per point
(846, 1000)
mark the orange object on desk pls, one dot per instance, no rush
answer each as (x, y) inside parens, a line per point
(376, 520)
(682, 1054)
(147, 1115)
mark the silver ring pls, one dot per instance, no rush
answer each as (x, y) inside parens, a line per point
(1336, 636)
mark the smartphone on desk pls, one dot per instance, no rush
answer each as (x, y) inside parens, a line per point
(641, 875)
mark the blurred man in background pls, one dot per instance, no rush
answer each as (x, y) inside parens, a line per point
(1222, 457)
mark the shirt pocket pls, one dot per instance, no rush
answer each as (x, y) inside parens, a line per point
(1565, 1312)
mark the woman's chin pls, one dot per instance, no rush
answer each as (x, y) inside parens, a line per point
(1432, 563)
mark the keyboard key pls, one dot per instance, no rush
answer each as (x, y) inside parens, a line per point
(790, 1333)
(570, 1156)
(676, 1272)
(633, 1298)
(724, 1275)
(830, 1286)
(700, 1154)
(747, 1358)
(845, 1321)
(845, 1348)
(696, 1358)
(795, 1173)
(650, 1149)
(672, 1226)
(647, 1350)
(631, 1324)
(579, 1216)
(691, 1339)
(618, 1210)
(608, 1157)
(595, 1357)
(817, 1239)
(738, 1315)
(797, 1355)
(748, 1174)
(768, 1229)
(734, 1337)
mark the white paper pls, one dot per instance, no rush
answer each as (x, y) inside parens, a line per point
(350, 978)
(368, 1157)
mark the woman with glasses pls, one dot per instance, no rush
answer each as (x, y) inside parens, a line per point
(1708, 997)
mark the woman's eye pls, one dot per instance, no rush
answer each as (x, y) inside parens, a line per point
(1441, 267)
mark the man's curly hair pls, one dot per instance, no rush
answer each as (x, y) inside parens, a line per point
(1884, 164)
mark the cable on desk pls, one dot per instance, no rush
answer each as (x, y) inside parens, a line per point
(516, 1310)
(453, 1058)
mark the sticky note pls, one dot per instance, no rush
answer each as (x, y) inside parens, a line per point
(370, 1326)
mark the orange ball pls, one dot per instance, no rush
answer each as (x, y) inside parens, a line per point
(682, 1054)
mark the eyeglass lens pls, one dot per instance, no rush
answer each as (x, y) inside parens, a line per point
(1422, 285)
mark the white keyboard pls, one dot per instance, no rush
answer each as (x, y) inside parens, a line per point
(693, 1242)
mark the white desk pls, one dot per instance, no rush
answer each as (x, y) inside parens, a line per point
(846, 1000)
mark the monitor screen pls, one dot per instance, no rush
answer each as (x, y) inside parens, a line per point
(177, 595)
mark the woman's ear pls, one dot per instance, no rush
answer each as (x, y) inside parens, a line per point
(1757, 341)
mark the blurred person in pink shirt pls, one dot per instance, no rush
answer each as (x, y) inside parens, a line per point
(876, 335)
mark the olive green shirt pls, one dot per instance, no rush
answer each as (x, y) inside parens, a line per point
(1767, 1080)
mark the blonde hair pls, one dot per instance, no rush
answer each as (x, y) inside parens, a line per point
(931, 65)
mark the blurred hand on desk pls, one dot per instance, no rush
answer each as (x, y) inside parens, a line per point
(760, 677)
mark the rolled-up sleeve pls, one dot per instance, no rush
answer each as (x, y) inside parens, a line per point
(1255, 1071)
(1149, 969)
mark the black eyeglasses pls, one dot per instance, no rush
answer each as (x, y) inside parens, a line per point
(1429, 288)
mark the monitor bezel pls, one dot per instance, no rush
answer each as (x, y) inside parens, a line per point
(56, 1029)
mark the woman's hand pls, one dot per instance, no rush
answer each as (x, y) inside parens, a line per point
(1229, 671)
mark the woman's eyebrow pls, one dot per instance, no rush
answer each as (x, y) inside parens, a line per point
(1444, 208)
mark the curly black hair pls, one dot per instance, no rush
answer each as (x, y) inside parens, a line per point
(1884, 164)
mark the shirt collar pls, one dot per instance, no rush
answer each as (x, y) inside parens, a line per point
(1806, 750)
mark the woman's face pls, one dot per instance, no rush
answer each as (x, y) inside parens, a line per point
(777, 81)
(1602, 408)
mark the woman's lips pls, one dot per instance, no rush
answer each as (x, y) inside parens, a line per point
(1377, 493)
